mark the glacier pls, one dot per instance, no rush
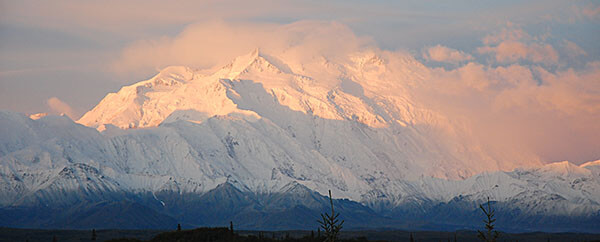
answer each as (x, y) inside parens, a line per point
(260, 140)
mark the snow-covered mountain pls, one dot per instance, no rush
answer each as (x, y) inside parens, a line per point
(264, 136)
(361, 101)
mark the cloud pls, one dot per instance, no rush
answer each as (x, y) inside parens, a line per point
(513, 51)
(207, 44)
(590, 11)
(441, 53)
(59, 107)
(548, 109)
(512, 45)
(573, 92)
(573, 50)
(553, 114)
(509, 33)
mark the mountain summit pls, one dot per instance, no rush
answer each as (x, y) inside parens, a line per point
(350, 99)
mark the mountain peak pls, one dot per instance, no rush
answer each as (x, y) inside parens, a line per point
(255, 52)
(253, 61)
(564, 168)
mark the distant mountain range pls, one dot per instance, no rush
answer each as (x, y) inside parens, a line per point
(259, 140)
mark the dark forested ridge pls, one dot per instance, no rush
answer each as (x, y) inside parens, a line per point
(277, 211)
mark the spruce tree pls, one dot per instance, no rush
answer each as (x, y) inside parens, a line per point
(330, 223)
(411, 238)
(178, 227)
(94, 234)
(490, 235)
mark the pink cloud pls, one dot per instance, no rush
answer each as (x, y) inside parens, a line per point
(512, 44)
(570, 91)
(207, 44)
(573, 50)
(509, 33)
(441, 53)
(553, 114)
(59, 107)
(590, 11)
(513, 51)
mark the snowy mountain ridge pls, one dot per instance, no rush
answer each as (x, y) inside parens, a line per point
(67, 163)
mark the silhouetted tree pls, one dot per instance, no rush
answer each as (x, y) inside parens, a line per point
(330, 223)
(178, 227)
(231, 226)
(94, 234)
(411, 238)
(54, 239)
(490, 235)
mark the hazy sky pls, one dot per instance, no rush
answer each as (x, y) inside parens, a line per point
(64, 56)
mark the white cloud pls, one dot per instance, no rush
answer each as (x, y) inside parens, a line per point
(57, 106)
(441, 53)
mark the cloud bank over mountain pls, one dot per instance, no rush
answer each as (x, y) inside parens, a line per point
(519, 98)
(208, 44)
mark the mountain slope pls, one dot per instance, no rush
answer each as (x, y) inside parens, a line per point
(214, 172)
